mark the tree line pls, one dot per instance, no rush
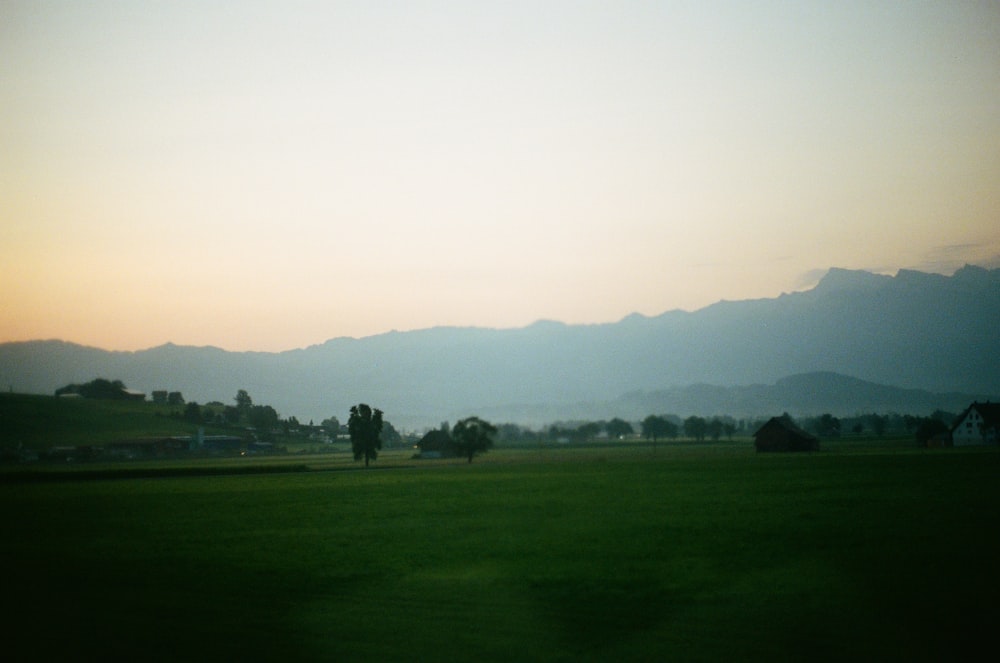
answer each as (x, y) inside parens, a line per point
(368, 430)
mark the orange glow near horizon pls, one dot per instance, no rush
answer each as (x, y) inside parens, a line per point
(266, 178)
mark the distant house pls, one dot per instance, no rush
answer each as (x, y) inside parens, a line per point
(978, 424)
(133, 395)
(435, 444)
(780, 434)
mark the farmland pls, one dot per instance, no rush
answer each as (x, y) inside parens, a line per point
(685, 552)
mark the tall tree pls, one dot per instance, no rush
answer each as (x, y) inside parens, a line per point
(472, 436)
(654, 427)
(365, 427)
(696, 427)
(243, 402)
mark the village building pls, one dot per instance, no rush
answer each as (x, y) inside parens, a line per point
(977, 425)
(780, 434)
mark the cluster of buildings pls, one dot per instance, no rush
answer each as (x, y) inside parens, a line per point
(977, 425)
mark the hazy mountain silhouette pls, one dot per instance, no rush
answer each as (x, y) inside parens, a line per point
(915, 331)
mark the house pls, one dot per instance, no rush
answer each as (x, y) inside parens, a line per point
(978, 424)
(133, 395)
(780, 434)
(435, 444)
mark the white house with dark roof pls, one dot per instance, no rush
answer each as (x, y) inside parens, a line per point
(978, 424)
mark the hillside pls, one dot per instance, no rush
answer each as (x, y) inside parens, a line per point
(915, 331)
(40, 422)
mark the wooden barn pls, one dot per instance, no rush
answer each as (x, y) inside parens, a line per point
(780, 434)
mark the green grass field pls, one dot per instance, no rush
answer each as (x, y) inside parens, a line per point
(39, 422)
(687, 553)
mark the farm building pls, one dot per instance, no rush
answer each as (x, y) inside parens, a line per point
(146, 448)
(780, 434)
(978, 424)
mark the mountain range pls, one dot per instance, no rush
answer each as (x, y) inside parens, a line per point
(857, 342)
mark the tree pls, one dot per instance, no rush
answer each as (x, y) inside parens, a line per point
(332, 426)
(696, 427)
(653, 427)
(827, 426)
(714, 429)
(192, 412)
(729, 428)
(264, 419)
(618, 428)
(928, 428)
(588, 430)
(877, 423)
(390, 436)
(243, 402)
(472, 436)
(231, 415)
(365, 428)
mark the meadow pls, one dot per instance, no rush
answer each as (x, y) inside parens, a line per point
(683, 552)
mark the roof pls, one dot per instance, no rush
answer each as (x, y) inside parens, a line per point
(784, 423)
(990, 412)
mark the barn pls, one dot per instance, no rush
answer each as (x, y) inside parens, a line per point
(780, 434)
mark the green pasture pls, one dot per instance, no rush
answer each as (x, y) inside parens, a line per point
(39, 422)
(682, 553)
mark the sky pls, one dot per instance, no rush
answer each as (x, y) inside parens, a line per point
(269, 175)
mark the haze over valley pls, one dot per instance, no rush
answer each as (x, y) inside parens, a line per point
(856, 342)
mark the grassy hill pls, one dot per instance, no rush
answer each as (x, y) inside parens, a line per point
(40, 422)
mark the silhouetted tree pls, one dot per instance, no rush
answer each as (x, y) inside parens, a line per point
(827, 426)
(472, 436)
(513, 433)
(243, 403)
(231, 415)
(714, 429)
(928, 428)
(365, 427)
(192, 412)
(588, 430)
(696, 427)
(264, 418)
(618, 428)
(877, 423)
(390, 436)
(654, 427)
(290, 424)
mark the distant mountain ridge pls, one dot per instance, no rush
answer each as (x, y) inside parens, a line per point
(928, 333)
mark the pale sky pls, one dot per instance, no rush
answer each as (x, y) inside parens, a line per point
(269, 175)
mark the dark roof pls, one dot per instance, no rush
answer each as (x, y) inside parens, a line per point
(787, 425)
(990, 412)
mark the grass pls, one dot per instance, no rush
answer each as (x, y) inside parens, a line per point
(39, 422)
(694, 552)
